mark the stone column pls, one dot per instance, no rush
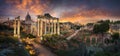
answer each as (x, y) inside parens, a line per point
(49, 23)
(18, 29)
(38, 23)
(58, 27)
(45, 26)
(31, 29)
(41, 29)
(54, 26)
(41, 22)
(15, 28)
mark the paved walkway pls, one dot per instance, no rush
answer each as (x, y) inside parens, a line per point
(71, 36)
(42, 51)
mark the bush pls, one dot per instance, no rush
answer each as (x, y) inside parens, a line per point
(101, 27)
(5, 27)
(115, 36)
(20, 51)
(62, 47)
(53, 41)
(31, 36)
(102, 54)
(7, 40)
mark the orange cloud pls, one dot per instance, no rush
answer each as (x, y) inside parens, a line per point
(80, 14)
(34, 6)
(85, 16)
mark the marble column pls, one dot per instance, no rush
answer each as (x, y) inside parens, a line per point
(31, 29)
(45, 26)
(18, 29)
(38, 22)
(49, 25)
(15, 28)
(41, 30)
(52, 26)
(55, 26)
(58, 27)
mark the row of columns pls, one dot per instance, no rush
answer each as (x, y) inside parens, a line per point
(91, 40)
(44, 26)
(17, 27)
(50, 25)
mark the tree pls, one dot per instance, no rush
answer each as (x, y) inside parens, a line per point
(101, 27)
(115, 37)
(104, 21)
(89, 24)
(117, 22)
(5, 27)
(76, 27)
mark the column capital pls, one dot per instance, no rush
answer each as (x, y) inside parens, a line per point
(57, 18)
(40, 16)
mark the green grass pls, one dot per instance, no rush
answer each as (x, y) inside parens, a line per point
(20, 51)
(11, 42)
(5, 39)
(63, 47)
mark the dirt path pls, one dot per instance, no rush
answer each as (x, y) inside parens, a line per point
(71, 36)
(42, 51)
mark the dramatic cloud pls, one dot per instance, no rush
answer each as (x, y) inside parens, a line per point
(67, 10)
(33, 6)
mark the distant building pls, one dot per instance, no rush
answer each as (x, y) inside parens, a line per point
(114, 28)
(89, 26)
(8, 23)
(45, 24)
(27, 23)
(28, 19)
(68, 26)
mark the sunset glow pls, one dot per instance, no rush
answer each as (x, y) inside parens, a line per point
(82, 11)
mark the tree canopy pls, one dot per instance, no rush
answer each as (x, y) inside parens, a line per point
(115, 36)
(101, 27)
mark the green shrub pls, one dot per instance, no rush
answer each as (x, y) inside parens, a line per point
(4, 39)
(31, 36)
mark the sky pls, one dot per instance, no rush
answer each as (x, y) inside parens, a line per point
(83, 11)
